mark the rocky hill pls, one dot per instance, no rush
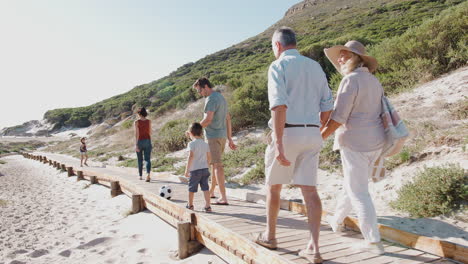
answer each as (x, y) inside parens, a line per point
(319, 23)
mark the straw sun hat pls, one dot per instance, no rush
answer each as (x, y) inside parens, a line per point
(354, 46)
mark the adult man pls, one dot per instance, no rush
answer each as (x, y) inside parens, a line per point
(300, 100)
(217, 124)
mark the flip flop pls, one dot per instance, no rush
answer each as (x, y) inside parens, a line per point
(212, 197)
(310, 256)
(270, 244)
(220, 203)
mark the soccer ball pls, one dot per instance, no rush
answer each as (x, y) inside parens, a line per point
(165, 192)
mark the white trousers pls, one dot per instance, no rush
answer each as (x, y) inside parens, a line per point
(357, 168)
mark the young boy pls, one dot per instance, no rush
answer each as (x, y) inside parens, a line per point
(197, 166)
(83, 151)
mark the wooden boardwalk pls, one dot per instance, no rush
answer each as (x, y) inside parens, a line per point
(226, 231)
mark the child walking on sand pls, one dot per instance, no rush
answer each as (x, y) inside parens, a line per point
(83, 151)
(197, 166)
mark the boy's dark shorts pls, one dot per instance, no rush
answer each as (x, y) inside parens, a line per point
(199, 177)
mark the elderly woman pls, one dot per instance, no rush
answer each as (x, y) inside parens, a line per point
(359, 137)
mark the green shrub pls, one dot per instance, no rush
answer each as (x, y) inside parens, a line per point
(329, 160)
(129, 163)
(171, 136)
(460, 110)
(127, 124)
(438, 46)
(244, 157)
(10, 147)
(249, 103)
(159, 162)
(255, 175)
(162, 163)
(433, 191)
(396, 160)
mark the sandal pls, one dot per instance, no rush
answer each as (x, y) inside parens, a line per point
(148, 179)
(220, 203)
(270, 244)
(207, 209)
(190, 207)
(310, 256)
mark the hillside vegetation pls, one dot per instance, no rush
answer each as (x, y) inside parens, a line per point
(413, 40)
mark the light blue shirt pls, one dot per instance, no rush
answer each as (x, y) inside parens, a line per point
(299, 83)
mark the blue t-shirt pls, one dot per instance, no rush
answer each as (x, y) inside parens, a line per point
(217, 104)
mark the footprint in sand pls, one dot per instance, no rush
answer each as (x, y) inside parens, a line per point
(38, 253)
(17, 252)
(94, 242)
(65, 253)
(17, 262)
(136, 236)
(142, 251)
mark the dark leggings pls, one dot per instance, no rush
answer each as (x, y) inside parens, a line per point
(145, 152)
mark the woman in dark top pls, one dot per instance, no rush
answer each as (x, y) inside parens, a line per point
(143, 142)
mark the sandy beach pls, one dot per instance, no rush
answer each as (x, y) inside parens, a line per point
(48, 218)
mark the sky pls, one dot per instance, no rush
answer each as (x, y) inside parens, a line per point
(56, 54)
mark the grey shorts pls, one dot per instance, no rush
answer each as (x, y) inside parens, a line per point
(199, 177)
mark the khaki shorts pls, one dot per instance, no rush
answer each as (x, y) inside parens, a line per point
(302, 147)
(217, 149)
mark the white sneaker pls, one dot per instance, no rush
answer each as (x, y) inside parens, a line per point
(337, 228)
(374, 248)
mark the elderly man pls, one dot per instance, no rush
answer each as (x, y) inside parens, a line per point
(300, 101)
(217, 124)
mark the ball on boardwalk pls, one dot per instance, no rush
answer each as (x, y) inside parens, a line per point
(165, 191)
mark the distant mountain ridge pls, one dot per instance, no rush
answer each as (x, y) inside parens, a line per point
(242, 67)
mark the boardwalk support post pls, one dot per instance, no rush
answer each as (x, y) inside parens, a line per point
(137, 202)
(115, 188)
(186, 247)
(93, 179)
(70, 171)
(79, 176)
(64, 168)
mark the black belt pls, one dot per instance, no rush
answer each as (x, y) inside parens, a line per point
(295, 125)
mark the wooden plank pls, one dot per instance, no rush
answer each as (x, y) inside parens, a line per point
(171, 211)
(240, 243)
(431, 245)
(160, 213)
(218, 250)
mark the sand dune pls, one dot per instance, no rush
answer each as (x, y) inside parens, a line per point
(48, 218)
